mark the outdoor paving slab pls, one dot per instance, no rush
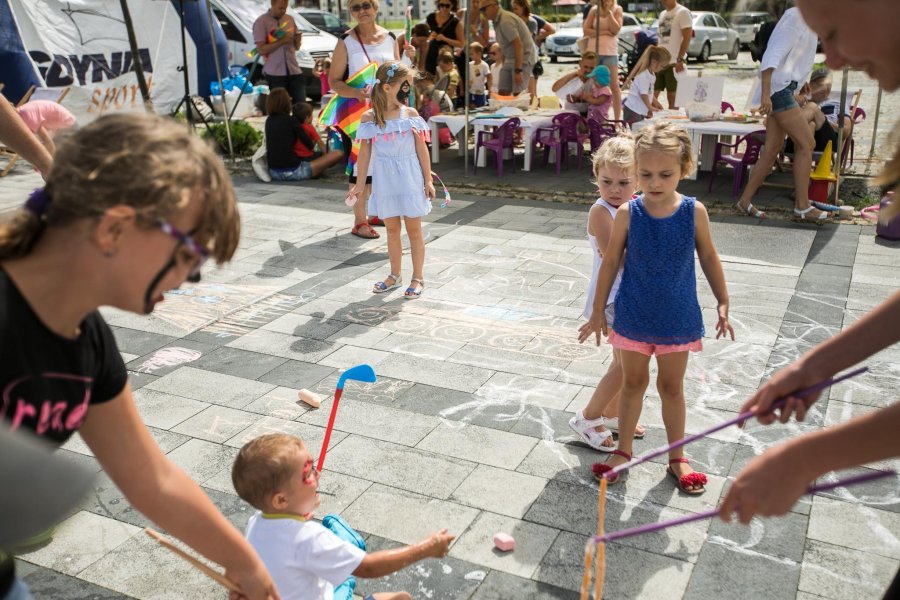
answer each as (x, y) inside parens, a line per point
(435, 579)
(136, 341)
(509, 361)
(282, 402)
(383, 391)
(168, 358)
(499, 491)
(532, 543)
(46, 583)
(735, 572)
(622, 512)
(530, 390)
(447, 374)
(201, 459)
(298, 375)
(284, 345)
(631, 573)
(454, 405)
(311, 435)
(779, 537)
(419, 345)
(152, 573)
(217, 423)
(881, 494)
(165, 410)
(80, 541)
(238, 363)
(545, 424)
(213, 388)
(376, 421)
(566, 462)
(481, 444)
(840, 573)
(405, 516)
(853, 526)
(399, 466)
(501, 586)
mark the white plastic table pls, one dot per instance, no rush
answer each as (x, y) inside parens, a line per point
(704, 135)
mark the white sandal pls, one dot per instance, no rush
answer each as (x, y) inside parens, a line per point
(588, 434)
(750, 210)
(800, 215)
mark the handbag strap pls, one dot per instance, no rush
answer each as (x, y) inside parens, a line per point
(361, 44)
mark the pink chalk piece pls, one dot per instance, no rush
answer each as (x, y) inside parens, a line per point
(351, 199)
(504, 542)
(310, 398)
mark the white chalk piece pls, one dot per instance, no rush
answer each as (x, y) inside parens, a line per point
(846, 212)
(504, 542)
(310, 398)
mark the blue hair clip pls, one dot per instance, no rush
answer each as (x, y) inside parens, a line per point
(391, 70)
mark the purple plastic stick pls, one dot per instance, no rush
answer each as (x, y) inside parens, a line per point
(651, 527)
(738, 419)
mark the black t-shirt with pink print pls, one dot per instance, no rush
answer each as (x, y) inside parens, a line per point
(47, 381)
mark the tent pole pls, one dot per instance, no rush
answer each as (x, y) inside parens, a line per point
(212, 38)
(136, 56)
(840, 140)
(465, 135)
(875, 124)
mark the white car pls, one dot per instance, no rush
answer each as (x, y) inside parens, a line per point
(237, 17)
(563, 42)
(748, 23)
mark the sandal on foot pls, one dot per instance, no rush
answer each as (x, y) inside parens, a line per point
(368, 233)
(376, 222)
(800, 215)
(687, 483)
(612, 423)
(412, 293)
(381, 287)
(750, 210)
(601, 468)
(585, 428)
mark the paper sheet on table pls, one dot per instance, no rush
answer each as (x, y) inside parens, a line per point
(453, 122)
(572, 87)
(700, 90)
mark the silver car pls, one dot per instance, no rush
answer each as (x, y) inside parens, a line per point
(748, 23)
(563, 42)
(711, 35)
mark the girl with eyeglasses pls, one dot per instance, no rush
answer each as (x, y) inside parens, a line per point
(132, 207)
(366, 42)
(446, 30)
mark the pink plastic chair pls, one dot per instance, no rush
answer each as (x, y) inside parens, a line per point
(568, 126)
(726, 106)
(498, 140)
(551, 139)
(740, 162)
(599, 132)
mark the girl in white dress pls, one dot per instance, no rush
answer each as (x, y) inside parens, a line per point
(392, 139)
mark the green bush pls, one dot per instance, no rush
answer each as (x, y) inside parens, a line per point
(245, 139)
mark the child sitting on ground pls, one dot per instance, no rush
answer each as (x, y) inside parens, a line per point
(275, 474)
(448, 77)
(479, 76)
(303, 112)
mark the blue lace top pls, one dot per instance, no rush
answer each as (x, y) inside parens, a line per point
(657, 300)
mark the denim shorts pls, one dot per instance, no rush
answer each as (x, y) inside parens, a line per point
(608, 60)
(784, 99)
(303, 171)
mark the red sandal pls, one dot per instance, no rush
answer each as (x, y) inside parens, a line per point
(376, 222)
(601, 468)
(685, 483)
(358, 233)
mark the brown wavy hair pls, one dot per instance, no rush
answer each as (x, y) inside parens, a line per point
(668, 138)
(144, 161)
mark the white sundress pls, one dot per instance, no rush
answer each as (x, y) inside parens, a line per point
(398, 186)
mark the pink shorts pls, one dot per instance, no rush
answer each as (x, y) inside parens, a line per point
(623, 343)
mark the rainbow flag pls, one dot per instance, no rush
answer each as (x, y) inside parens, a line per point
(345, 113)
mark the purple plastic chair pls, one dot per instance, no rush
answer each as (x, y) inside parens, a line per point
(739, 161)
(599, 132)
(551, 139)
(726, 106)
(568, 126)
(498, 140)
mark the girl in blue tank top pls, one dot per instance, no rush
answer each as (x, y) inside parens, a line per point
(656, 308)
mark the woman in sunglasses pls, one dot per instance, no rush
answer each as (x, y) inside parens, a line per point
(446, 30)
(132, 207)
(366, 42)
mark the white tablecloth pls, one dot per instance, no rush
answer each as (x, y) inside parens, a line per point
(704, 135)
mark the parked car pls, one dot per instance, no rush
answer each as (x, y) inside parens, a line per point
(711, 35)
(563, 42)
(237, 17)
(748, 23)
(324, 20)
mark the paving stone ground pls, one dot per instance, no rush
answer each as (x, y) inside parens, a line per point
(466, 427)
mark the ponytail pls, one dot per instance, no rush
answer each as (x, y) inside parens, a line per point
(651, 53)
(19, 234)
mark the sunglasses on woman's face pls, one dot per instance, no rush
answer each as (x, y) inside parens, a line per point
(445, 6)
(359, 7)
